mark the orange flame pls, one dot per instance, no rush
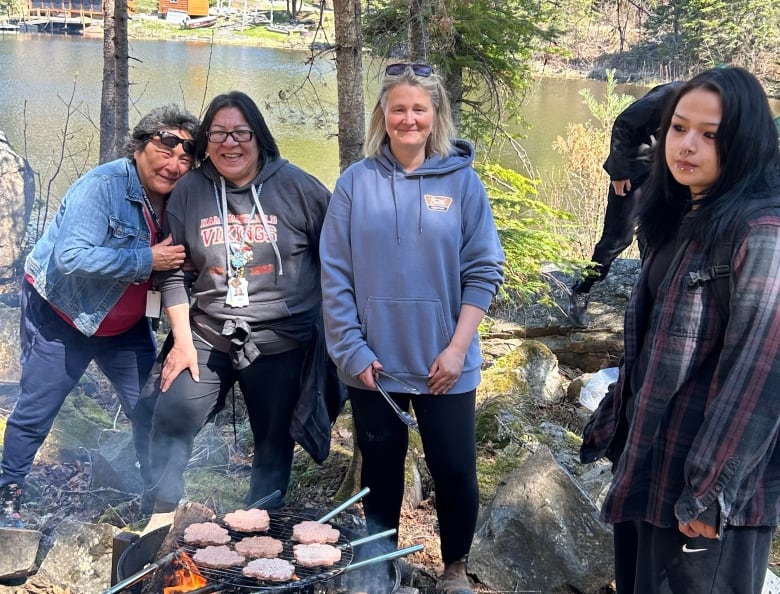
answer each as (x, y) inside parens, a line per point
(186, 577)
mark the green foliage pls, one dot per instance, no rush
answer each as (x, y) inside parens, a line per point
(698, 34)
(524, 226)
(485, 46)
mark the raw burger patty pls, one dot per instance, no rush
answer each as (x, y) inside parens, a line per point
(309, 532)
(273, 570)
(313, 555)
(220, 557)
(248, 520)
(259, 546)
(206, 533)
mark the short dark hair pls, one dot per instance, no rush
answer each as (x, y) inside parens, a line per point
(748, 157)
(165, 117)
(245, 104)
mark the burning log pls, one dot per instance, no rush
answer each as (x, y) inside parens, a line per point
(189, 513)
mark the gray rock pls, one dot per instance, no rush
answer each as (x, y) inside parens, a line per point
(17, 193)
(81, 556)
(541, 532)
(18, 551)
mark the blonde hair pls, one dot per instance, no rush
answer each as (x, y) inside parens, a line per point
(442, 134)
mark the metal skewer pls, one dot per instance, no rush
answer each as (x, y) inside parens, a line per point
(345, 505)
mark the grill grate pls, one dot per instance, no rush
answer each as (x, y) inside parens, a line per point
(281, 527)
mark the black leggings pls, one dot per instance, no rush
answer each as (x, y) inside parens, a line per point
(447, 429)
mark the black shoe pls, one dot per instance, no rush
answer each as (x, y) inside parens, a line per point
(11, 500)
(577, 310)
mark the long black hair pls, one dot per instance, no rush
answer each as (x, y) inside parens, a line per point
(748, 156)
(243, 102)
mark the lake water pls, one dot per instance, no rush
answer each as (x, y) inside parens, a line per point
(39, 73)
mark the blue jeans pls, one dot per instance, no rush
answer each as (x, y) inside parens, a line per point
(54, 357)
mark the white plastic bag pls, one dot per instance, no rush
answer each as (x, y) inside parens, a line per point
(596, 387)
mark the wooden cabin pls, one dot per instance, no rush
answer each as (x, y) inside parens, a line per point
(93, 9)
(193, 8)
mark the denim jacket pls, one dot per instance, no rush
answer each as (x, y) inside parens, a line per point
(97, 244)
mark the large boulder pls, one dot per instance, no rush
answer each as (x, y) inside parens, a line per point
(541, 533)
(17, 193)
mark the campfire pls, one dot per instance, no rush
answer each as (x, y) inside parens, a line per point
(184, 577)
(181, 566)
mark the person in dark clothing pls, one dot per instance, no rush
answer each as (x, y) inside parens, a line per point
(250, 221)
(692, 424)
(628, 165)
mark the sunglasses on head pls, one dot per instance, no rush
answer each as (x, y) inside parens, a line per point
(170, 140)
(400, 68)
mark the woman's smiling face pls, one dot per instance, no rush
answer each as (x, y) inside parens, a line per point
(237, 162)
(409, 114)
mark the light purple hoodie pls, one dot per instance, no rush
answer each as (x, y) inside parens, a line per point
(401, 253)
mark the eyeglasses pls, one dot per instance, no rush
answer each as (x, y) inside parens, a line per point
(218, 136)
(170, 140)
(419, 69)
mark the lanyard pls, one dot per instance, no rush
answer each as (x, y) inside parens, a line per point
(155, 221)
(222, 212)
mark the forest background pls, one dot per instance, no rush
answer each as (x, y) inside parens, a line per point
(489, 52)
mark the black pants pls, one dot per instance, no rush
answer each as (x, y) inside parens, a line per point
(270, 385)
(616, 235)
(652, 560)
(447, 429)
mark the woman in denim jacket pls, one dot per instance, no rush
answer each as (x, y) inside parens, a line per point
(85, 293)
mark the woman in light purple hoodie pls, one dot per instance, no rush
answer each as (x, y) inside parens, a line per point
(411, 261)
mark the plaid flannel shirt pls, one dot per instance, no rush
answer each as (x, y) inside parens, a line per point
(705, 395)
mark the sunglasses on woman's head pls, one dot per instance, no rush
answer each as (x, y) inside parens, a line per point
(419, 69)
(170, 140)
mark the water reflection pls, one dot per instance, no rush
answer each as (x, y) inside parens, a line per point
(39, 72)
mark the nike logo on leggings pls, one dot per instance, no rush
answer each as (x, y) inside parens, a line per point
(687, 549)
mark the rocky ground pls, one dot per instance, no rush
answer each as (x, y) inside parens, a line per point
(63, 486)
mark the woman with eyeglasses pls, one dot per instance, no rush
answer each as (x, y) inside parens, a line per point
(87, 289)
(411, 261)
(250, 222)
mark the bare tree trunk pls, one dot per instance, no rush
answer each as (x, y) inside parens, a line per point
(116, 86)
(453, 82)
(108, 96)
(122, 98)
(419, 11)
(349, 78)
(352, 131)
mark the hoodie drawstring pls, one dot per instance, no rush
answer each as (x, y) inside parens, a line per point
(395, 205)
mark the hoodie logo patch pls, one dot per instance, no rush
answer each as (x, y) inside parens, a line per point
(438, 203)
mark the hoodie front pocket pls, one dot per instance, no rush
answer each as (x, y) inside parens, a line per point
(406, 334)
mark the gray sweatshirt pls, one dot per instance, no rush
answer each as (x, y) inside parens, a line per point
(282, 284)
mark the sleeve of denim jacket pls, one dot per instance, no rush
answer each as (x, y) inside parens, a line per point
(93, 241)
(742, 418)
